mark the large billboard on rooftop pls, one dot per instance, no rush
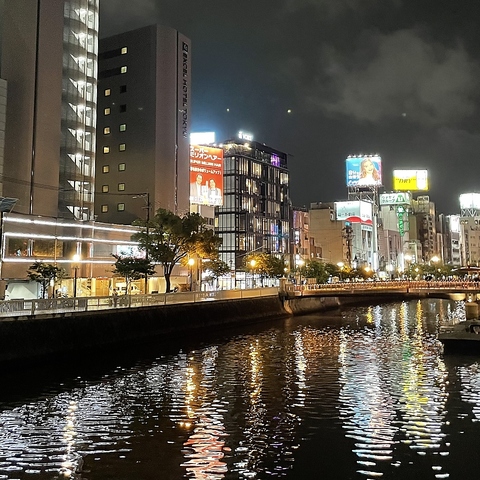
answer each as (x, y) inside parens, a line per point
(364, 171)
(410, 180)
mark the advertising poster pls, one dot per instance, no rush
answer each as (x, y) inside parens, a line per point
(354, 212)
(364, 171)
(410, 180)
(206, 175)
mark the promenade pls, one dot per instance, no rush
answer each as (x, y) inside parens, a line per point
(441, 289)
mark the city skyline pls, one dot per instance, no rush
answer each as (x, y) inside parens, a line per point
(323, 80)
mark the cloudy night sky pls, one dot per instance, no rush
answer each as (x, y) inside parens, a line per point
(395, 77)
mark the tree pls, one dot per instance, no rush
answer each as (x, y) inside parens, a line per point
(44, 274)
(215, 268)
(265, 264)
(168, 238)
(132, 268)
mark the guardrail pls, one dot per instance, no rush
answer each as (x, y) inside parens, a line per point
(22, 307)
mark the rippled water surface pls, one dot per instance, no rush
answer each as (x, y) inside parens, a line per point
(360, 394)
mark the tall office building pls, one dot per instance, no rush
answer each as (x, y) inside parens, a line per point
(49, 59)
(143, 124)
(256, 211)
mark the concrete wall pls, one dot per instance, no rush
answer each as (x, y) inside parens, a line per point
(27, 338)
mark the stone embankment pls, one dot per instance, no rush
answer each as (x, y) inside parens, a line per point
(23, 339)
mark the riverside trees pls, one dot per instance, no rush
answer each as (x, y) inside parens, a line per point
(168, 239)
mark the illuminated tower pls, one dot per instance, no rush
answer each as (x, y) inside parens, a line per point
(49, 59)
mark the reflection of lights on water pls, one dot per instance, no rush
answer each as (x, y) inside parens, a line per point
(68, 466)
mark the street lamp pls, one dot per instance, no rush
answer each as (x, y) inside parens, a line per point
(340, 265)
(76, 259)
(300, 264)
(191, 262)
(253, 263)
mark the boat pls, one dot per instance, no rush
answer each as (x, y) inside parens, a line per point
(462, 337)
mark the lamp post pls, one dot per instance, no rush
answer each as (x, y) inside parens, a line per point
(76, 259)
(300, 264)
(253, 263)
(340, 265)
(191, 262)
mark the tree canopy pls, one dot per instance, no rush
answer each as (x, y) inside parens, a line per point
(168, 238)
(45, 273)
(132, 268)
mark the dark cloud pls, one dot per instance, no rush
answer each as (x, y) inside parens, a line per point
(396, 77)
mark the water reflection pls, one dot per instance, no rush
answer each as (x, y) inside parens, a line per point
(368, 391)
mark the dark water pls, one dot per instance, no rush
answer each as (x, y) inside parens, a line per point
(360, 394)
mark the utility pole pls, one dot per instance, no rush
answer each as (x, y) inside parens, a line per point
(348, 236)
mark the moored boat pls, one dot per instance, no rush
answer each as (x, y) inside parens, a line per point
(460, 338)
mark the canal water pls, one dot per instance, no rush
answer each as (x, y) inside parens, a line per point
(362, 393)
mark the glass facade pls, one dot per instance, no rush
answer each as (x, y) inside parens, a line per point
(79, 103)
(255, 216)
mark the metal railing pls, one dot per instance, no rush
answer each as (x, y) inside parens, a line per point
(49, 306)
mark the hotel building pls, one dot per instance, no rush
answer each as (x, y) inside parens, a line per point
(143, 124)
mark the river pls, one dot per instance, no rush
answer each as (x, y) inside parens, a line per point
(362, 393)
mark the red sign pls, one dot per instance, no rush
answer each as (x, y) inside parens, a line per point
(206, 175)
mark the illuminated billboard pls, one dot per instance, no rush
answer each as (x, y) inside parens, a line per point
(202, 138)
(410, 180)
(470, 201)
(206, 175)
(354, 212)
(364, 171)
(396, 198)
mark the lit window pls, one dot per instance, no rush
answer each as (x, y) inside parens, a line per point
(105, 168)
(123, 127)
(106, 149)
(107, 92)
(104, 208)
(124, 50)
(122, 147)
(122, 167)
(123, 69)
(105, 188)
(121, 187)
(120, 207)
(107, 111)
(106, 130)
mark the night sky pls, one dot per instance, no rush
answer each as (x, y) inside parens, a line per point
(399, 78)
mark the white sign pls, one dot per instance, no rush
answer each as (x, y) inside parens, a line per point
(396, 198)
(354, 211)
(245, 136)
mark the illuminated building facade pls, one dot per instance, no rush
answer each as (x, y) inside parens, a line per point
(49, 59)
(143, 124)
(256, 211)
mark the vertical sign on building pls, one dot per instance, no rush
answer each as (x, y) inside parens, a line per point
(206, 175)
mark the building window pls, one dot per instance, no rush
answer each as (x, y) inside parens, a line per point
(123, 69)
(106, 130)
(121, 187)
(123, 88)
(107, 92)
(106, 149)
(123, 127)
(124, 50)
(122, 167)
(104, 208)
(122, 147)
(120, 207)
(105, 188)
(105, 168)
(123, 108)
(107, 111)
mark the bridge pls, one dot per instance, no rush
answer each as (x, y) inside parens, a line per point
(452, 290)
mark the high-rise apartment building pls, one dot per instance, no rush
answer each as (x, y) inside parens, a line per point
(255, 216)
(49, 59)
(143, 124)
